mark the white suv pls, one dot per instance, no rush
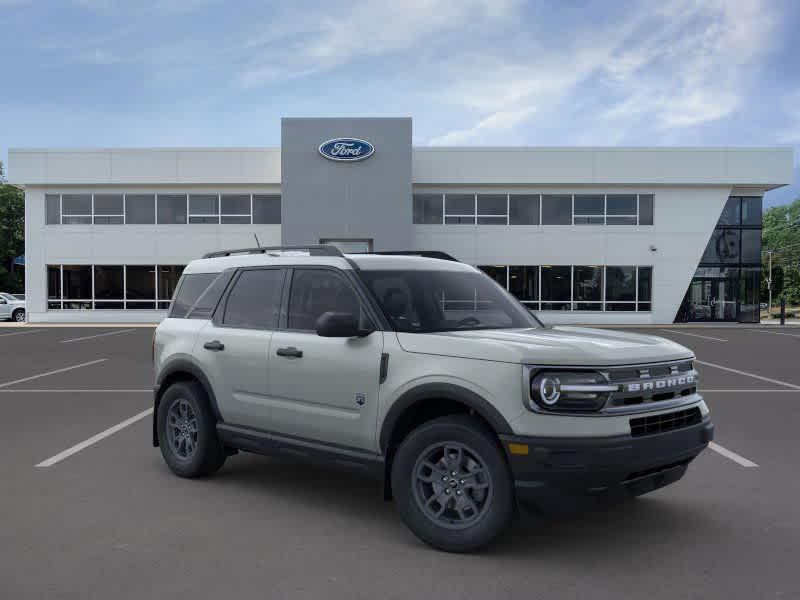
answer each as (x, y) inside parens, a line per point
(423, 371)
(12, 308)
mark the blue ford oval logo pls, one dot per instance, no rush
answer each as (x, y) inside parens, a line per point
(346, 149)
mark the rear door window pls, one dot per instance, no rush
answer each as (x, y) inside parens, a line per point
(254, 302)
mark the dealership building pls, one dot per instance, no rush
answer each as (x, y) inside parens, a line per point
(582, 235)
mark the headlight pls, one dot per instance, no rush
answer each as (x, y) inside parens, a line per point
(569, 391)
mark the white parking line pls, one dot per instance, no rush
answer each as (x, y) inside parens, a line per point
(740, 460)
(794, 335)
(753, 375)
(24, 379)
(94, 439)
(140, 391)
(22, 332)
(91, 337)
(697, 335)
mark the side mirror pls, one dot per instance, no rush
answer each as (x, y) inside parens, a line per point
(339, 324)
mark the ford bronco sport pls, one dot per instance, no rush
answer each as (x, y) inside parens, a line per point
(423, 371)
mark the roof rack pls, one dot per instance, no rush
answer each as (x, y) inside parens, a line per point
(424, 253)
(312, 249)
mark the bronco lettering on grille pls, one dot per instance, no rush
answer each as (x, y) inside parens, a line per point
(660, 384)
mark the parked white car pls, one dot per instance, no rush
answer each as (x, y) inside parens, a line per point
(12, 308)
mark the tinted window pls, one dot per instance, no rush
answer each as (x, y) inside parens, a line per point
(498, 273)
(53, 206)
(77, 282)
(317, 291)
(731, 213)
(168, 277)
(523, 209)
(587, 284)
(53, 282)
(645, 285)
(751, 211)
(203, 208)
(428, 209)
(140, 282)
(723, 247)
(557, 210)
(556, 283)
(646, 209)
(140, 209)
(108, 209)
(235, 208)
(76, 209)
(255, 300)
(191, 286)
(171, 209)
(459, 204)
(523, 282)
(431, 301)
(492, 209)
(204, 306)
(108, 282)
(589, 209)
(620, 285)
(751, 245)
(266, 209)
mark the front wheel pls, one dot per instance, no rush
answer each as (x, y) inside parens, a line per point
(18, 316)
(187, 433)
(452, 485)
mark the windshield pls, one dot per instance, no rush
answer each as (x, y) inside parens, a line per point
(434, 301)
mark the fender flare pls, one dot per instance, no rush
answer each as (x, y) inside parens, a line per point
(433, 391)
(181, 366)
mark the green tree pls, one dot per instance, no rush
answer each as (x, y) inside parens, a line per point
(12, 235)
(781, 235)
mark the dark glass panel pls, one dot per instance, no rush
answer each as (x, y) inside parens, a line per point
(255, 300)
(523, 209)
(751, 211)
(140, 282)
(587, 283)
(557, 209)
(751, 245)
(492, 204)
(235, 204)
(108, 282)
(723, 247)
(140, 209)
(54, 282)
(523, 282)
(621, 204)
(172, 209)
(731, 212)
(749, 295)
(645, 284)
(620, 284)
(267, 209)
(556, 282)
(168, 277)
(108, 204)
(76, 204)
(203, 204)
(53, 209)
(459, 204)
(646, 209)
(498, 273)
(77, 282)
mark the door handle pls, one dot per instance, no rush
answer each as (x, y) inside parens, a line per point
(290, 352)
(214, 346)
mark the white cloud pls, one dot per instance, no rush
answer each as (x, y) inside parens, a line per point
(682, 64)
(306, 44)
(496, 122)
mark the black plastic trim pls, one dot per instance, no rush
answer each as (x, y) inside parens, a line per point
(448, 391)
(270, 443)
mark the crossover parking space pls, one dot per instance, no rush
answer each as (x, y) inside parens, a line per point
(109, 519)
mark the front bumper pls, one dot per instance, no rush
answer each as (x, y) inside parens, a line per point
(612, 467)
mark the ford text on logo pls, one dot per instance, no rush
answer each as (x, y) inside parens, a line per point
(346, 149)
(660, 384)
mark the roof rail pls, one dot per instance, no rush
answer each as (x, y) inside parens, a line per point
(312, 249)
(424, 253)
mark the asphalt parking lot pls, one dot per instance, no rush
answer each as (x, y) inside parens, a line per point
(102, 517)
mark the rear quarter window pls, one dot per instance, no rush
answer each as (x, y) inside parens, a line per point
(193, 287)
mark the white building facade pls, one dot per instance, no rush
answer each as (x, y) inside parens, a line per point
(582, 235)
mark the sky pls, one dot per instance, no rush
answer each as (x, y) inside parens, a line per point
(109, 73)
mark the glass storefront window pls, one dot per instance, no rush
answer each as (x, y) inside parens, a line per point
(523, 209)
(751, 211)
(621, 284)
(556, 287)
(750, 295)
(428, 209)
(731, 214)
(751, 246)
(587, 285)
(723, 247)
(523, 282)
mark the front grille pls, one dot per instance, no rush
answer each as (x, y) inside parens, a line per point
(646, 394)
(665, 422)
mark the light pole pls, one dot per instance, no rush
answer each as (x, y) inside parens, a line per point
(769, 285)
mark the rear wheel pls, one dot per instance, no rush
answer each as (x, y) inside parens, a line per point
(187, 433)
(19, 315)
(452, 485)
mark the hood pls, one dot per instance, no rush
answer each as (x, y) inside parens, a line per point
(561, 345)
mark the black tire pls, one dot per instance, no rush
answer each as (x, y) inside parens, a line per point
(18, 315)
(207, 454)
(413, 482)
